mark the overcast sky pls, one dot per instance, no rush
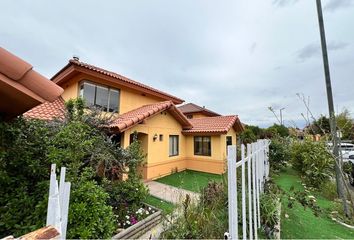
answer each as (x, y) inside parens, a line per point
(234, 57)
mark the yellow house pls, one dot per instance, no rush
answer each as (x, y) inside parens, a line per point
(171, 141)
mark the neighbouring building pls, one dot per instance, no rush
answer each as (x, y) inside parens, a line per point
(192, 110)
(171, 140)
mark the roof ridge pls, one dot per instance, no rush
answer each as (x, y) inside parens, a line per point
(117, 76)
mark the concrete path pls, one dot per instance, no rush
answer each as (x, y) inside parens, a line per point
(169, 194)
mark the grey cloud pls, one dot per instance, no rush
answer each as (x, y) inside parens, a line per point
(253, 48)
(283, 3)
(334, 5)
(200, 51)
(314, 50)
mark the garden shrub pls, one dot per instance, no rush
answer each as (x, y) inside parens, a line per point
(126, 197)
(207, 218)
(90, 217)
(313, 161)
(24, 176)
(329, 190)
(279, 153)
(269, 208)
(27, 149)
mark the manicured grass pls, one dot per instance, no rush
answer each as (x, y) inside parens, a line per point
(303, 223)
(166, 207)
(190, 180)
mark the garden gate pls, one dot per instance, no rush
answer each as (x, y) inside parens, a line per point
(254, 161)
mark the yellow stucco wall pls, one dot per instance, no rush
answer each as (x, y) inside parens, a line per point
(158, 161)
(199, 115)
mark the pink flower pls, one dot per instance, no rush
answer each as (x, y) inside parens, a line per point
(133, 220)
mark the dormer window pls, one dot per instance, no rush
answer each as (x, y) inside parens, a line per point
(102, 97)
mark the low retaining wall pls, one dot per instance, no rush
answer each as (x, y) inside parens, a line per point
(141, 227)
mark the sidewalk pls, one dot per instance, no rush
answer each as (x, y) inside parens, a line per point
(170, 194)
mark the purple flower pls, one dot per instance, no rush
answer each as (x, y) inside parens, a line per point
(133, 220)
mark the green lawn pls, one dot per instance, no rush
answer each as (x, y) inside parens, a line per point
(302, 223)
(190, 180)
(166, 207)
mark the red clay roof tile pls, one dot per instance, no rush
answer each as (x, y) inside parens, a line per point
(48, 110)
(132, 83)
(131, 118)
(214, 125)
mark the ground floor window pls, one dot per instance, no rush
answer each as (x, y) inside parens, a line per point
(202, 146)
(174, 145)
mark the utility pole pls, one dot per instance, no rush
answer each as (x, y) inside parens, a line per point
(281, 116)
(339, 179)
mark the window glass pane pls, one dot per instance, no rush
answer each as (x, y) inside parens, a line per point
(88, 93)
(173, 145)
(198, 145)
(170, 146)
(102, 97)
(113, 100)
(206, 146)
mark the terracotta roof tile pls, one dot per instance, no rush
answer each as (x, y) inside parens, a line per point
(214, 125)
(117, 76)
(21, 87)
(131, 118)
(48, 110)
(193, 108)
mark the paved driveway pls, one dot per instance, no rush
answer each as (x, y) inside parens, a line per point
(170, 193)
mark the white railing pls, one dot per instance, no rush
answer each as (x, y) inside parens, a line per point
(58, 202)
(255, 159)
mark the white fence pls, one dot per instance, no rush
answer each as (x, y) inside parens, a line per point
(58, 202)
(255, 159)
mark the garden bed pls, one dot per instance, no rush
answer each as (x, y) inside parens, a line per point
(136, 226)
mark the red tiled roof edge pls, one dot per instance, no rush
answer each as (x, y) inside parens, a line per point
(99, 70)
(48, 110)
(214, 125)
(136, 116)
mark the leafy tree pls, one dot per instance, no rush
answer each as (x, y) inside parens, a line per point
(320, 126)
(345, 124)
(280, 130)
(247, 136)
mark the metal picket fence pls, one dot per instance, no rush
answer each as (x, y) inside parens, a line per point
(254, 172)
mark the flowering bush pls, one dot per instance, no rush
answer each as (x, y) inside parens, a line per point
(128, 217)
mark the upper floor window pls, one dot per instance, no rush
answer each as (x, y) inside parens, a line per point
(202, 146)
(100, 96)
(189, 116)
